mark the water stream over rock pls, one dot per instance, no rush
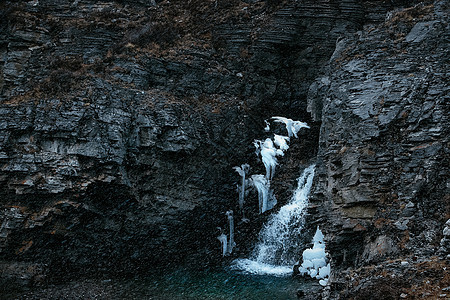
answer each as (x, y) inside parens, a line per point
(275, 253)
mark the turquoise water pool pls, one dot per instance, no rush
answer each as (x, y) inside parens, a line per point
(219, 283)
(216, 284)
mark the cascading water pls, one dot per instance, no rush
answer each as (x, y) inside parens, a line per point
(275, 253)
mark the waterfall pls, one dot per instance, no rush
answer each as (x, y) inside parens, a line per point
(267, 200)
(276, 251)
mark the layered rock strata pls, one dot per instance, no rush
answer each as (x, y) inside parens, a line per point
(382, 183)
(121, 122)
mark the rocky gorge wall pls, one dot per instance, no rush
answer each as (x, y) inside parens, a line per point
(382, 180)
(121, 122)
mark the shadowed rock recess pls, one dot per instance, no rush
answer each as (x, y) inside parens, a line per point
(121, 121)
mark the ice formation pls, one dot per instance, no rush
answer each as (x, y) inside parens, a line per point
(297, 125)
(231, 244)
(268, 156)
(292, 126)
(258, 145)
(265, 198)
(281, 142)
(267, 128)
(242, 170)
(315, 260)
(223, 241)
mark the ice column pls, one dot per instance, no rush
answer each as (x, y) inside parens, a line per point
(223, 241)
(268, 155)
(231, 224)
(265, 198)
(242, 170)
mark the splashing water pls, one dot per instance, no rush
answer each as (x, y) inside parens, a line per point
(275, 253)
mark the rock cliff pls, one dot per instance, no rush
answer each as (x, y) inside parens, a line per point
(121, 122)
(382, 184)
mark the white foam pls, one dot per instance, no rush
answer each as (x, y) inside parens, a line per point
(259, 268)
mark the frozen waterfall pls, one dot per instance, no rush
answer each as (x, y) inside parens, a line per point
(268, 152)
(275, 253)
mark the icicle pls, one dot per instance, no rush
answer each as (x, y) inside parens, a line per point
(267, 128)
(223, 241)
(242, 170)
(292, 126)
(231, 224)
(266, 199)
(268, 154)
(258, 146)
(260, 183)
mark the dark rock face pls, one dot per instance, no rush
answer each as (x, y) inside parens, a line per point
(120, 123)
(382, 183)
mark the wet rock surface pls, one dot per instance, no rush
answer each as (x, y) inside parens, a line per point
(120, 122)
